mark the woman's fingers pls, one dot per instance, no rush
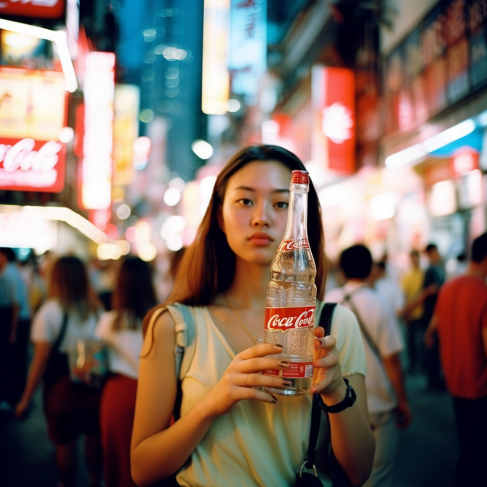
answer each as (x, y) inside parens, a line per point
(260, 350)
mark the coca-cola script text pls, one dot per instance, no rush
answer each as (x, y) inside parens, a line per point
(287, 318)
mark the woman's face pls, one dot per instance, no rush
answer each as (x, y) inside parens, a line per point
(254, 211)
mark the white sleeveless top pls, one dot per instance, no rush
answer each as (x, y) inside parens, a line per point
(256, 444)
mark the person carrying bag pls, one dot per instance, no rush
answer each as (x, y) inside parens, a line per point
(71, 406)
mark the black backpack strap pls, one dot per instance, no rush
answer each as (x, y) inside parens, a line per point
(59, 339)
(325, 322)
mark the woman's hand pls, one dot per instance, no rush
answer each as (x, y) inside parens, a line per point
(327, 378)
(244, 377)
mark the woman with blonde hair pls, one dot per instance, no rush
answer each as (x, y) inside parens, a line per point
(230, 431)
(71, 408)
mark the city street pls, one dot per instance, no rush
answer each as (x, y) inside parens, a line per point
(426, 456)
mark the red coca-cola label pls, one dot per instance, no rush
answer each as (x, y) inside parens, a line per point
(28, 165)
(288, 245)
(284, 319)
(297, 370)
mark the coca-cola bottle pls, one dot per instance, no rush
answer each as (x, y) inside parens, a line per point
(291, 295)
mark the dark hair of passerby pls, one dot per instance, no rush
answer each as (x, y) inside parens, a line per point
(479, 248)
(356, 262)
(9, 253)
(430, 247)
(208, 265)
(69, 285)
(134, 292)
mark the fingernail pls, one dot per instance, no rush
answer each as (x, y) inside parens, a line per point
(287, 383)
(274, 398)
(284, 363)
(279, 347)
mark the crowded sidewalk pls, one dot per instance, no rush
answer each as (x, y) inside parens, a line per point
(426, 456)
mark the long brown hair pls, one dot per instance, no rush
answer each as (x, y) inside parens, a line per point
(69, 285)
(134, 293)
(208, 265)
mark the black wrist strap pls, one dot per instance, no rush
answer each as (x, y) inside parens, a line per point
(325, 322)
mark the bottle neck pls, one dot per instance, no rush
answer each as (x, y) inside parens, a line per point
(297, 220)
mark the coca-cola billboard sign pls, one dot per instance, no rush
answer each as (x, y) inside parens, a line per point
(289, 245)
(48, 9)
(30, 165)
(285, 319)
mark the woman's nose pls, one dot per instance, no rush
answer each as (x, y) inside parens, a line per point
(260, 218)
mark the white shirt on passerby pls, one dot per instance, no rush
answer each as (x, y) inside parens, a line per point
(379, 320)
(124, 345)
(48, 322)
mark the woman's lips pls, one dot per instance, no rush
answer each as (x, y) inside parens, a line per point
(260, 238)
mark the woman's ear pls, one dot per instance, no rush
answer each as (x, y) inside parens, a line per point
(219, 216)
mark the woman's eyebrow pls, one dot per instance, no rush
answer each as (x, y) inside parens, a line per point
(248, 188)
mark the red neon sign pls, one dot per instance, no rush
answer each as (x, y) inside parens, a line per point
(30, 165)
(48, 9)
(334, 108)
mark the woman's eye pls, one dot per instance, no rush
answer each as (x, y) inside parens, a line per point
(245, 201)
(282, 205)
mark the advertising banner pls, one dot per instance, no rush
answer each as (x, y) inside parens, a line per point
(47, 9)
(333, 96)
(32, 114)
(248, 46)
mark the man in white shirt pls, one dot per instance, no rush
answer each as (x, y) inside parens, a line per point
(386, 396)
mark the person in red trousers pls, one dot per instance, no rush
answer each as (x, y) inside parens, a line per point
(121, 331)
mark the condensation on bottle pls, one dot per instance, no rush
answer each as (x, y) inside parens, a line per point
(291, 295)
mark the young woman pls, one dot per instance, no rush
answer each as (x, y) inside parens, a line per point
(231, 432)
(121, 330)
(71, 409)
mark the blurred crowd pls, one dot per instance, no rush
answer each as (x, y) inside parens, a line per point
(54, 307)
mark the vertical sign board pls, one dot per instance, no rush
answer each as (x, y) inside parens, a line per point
(216, 78)
(47, 9)
(333, 95)
(125, 132)
(32, 114)
(248, 47)
(96, 165)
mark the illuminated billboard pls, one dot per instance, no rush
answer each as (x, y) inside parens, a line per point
(32, 114)
(48, 9)
(333, 96)
(96, 164)
(216, 78)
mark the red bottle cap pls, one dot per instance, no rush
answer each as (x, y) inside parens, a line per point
(300, 177)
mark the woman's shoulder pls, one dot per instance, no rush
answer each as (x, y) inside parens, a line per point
(160, 327)
(49, 309)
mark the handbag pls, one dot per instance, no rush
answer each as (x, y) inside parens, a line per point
(57, 364)
(336, 473)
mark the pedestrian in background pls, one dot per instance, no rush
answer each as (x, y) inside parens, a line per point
(230, 431)
(71, 409)
(121, 330)
(387, 403)
(460, 320)
(412, 284)
(434, 277)
(16, 352)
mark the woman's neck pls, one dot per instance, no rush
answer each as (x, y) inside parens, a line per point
(249, 285)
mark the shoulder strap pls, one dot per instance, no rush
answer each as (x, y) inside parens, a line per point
(185, 330)
(59, 339)
(325, 322)
(363, 329)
